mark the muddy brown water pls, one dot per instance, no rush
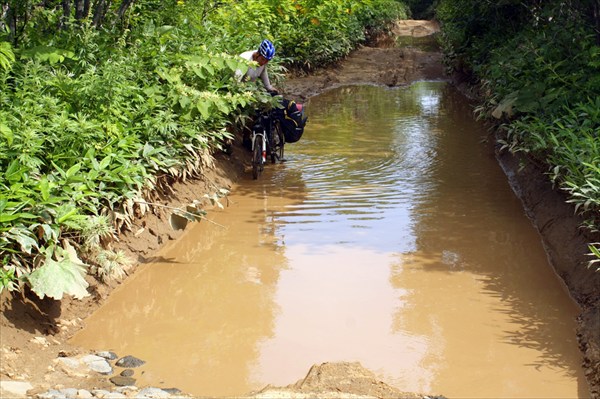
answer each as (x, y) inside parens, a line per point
(389, 237)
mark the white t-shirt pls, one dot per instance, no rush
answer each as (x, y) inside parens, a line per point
(253, 73)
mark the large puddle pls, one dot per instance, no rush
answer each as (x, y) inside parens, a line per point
(390, 237)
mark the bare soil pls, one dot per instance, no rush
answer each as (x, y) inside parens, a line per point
(33, 332)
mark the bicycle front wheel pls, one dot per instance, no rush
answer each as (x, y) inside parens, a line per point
(257, 159)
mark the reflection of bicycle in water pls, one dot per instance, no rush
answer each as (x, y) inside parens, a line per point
(267, 141)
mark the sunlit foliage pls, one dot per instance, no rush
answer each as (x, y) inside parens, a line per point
(538, 64)
(103, 104)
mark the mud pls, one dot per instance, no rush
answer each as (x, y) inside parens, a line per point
(27, 358)
(377, 64)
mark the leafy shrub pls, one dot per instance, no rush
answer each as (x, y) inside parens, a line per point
(541, 79)
(95, 116)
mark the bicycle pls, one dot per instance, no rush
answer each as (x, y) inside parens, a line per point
(267, 140)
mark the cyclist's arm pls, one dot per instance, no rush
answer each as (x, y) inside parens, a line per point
(264, 76)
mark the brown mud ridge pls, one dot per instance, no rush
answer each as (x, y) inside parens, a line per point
(34, 333)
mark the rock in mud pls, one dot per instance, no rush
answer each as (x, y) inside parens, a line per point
(107, 355)
(130, 362)
(122, 381)
(97, 364)
(127, 373)
(18, 388)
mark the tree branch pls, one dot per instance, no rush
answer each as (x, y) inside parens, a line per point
(100, 12)
(123, 8)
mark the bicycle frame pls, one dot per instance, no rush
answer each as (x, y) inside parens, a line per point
(263, 143)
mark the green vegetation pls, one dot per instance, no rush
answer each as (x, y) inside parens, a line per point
(103, 105)
(538, 64)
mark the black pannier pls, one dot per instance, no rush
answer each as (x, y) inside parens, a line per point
(292, 120)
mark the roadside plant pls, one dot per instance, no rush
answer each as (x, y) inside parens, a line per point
(8, 280)
(595, 252)
(61, 272)
(7, 56)
(98, 116)
(540, 83)
(112, 265)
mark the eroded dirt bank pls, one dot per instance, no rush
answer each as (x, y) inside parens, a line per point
(34, 333)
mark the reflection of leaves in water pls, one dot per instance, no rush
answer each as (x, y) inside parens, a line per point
(540, 320)
(539, 326)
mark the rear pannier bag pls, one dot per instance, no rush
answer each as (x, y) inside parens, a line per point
(292, 120)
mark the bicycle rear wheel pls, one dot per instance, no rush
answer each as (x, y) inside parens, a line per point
(257, 159)
(279, 143)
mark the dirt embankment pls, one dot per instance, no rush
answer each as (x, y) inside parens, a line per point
(34, 333)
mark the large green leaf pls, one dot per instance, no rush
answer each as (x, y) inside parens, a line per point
(23, 236)
(204, 107)
(58, 277)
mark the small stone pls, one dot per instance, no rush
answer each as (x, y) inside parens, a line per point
(40, 341)
(154, 393)
(35, 391)
(100, 393)
(129, 362)
(115, 395)
(107, 355)
(172, 391)
(84, 394)
(51, 394)
(122, 381)
(127, 373)
(66, 322)
(69, 362)
(62, 353)
(97, 364)
(90, 358)
(19, 388)
(69, 392)
(128, 390)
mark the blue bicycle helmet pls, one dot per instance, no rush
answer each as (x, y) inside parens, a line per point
(266, 49)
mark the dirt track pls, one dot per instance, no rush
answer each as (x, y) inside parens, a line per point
(23, 319)
(379, 65)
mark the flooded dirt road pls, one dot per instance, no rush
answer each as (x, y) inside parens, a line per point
(390, 237)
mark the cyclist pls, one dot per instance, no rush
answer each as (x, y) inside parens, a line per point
(264, 54)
